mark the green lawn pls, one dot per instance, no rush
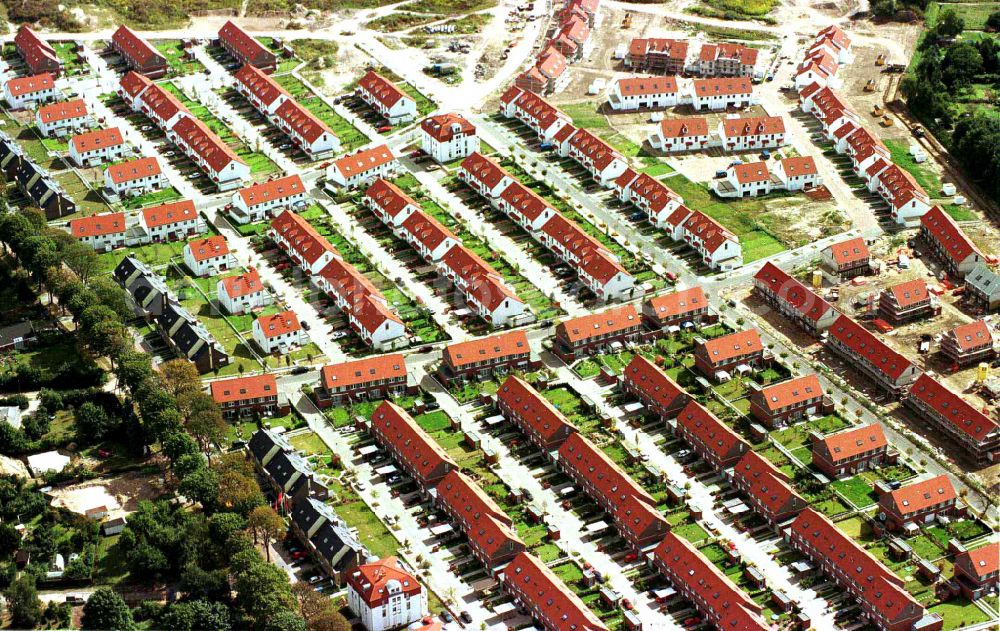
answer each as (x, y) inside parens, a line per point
(959, 613)
(350, 136)
(974, 14)
(156, 198)
(72, 63)
(177, 63)
(856, 490)
(922, 173)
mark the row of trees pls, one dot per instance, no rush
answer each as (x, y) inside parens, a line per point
(205, 551)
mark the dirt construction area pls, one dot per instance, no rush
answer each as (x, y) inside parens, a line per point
(120, 495)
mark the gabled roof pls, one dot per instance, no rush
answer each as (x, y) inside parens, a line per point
(594, 259)
(390, 199)
(525, 201)
(751, 172)
(919, 496)
(204, 142)
(599, 152)
(592, 463)
(792, 292)
(653, 382)
(61, 111)
(374, 581)
(900, 187)
(673, 48)
(364, 160)
(98, 225)
(551, 62)
(245, 284)
(304, 123)
(835, 35)
(853, 442)
(684, 127)
(427, 230)
(414, 445)
(169, 213)
(712, 234)
(883, 590)
(485, 523)
(307, 243)
(361, 371)
(271, 190)
(745, 55)
(486, 348)
(97, 139)
(264, 440)
(163, 104)
(137, 47)
(279, 324)
(533, 408)
(242, 41)
(134, 170)
(864, 343)
(910, 293)
(717, 86)
(767, 483)
(971, 335)
(484, 170)
(678, 303)
(799, 165)
(654, 192)
(444, 127)
(482, 282)
(544, 590)
(943, 229)
(726, 347)
(981, 562)
(850, 251)
(716, 435)
(260, 84)
(644, 86)
(791, 392)
(541, 113)
(211, 247)
(953, 408)
(134, 83)
(607, 322)
(753, 126)
(736, 610)
(381, 89)
(36, 51)
(244, 388)
(983, 279)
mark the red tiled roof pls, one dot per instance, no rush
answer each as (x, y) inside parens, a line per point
(35, 50)
(948, 234)
(852, 442)
(983, 561)
(972, 335)
(551, 63)
(525, 201)
(864, 343)
(767, 483)
(482, 282)
(242, 41)
(244, 388)
(594, 259)
(900, 186)
(483, 522)
(544, 590)
(684, 127)
(919, 496)
(486, 348)
(426, 229)
(883, 590)
(728, 51)
(64, 110)
(483, 169)
(678, 303)
(372, 312)
(627, 177)
(134, 169)
(600, 153)
(98, 225)
(792, 292)
(673, 48)
(710, 231)
(726, 347)
(303, 122)
(850, 251)
(134, 83)
(722, 86)
(656, 194)
(799, 165)
(244, 284)
(371, 581)
(348, 283)
(304, 239)
(169, 213)
(736, 610)
(381, 89)
(280, 188)
(364, 160)
(361, 371)
(953, 408)
(791, 392)
(97, 139)
(707, 427)
(533, 408)
(416, 447)
(203, 141)
(510, 95)
(162, 102)
(260, 84)
(279, 323)
(809, 90)
(835, 35)
(751, 172)
(137, 47)
(606, 322)
(653, 382)
(389, 197)
(753, 126)
(210, 247)
(910, 293)
(592, 463)
(444, 127)
(644, 86)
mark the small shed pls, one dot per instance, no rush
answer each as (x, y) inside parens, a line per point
(113, 526)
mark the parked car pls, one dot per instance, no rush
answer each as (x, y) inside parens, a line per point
(300, 370)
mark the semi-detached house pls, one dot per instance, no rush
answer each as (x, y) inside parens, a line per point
(278, 333)
(389, 203)
(592, 333)
(674, 135)
(970, 343)
(651, 196)
(243, 292)
(767, 490)
(22, 92)
(362, 167)
(63, 118)
(104, 232)
(658, 392)
(372, 378)
(537, 589)
(720, 94)
(209, 256)
(851, 451)
(97, 147)
(486, 357)
(37, 53)
(595, 266)
(718, 248)
(907, 301)
(640, 93)
(263, 200)
(135, 177)
(752, 133)
(246, 396)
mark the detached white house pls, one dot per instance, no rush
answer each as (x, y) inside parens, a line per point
(278, 333)
(262, 200)
(362, 167)
(242, 293)
(97, 147)
(208, 257)
(447, 137)
(135, 177)
(61, 119)
(747, 179)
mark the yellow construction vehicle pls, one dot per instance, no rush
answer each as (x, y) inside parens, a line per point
(627, 22)
(871, 85)
(878, 112)
(880, 60)
(886, 121)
